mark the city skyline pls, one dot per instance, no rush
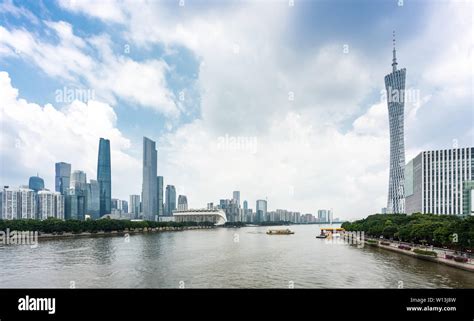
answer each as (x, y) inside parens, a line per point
(216, 133)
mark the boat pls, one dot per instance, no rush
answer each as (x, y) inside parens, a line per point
(330, 232)
(280, 232)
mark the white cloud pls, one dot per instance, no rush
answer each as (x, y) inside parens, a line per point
(110, 75)
(108, 10)
(35, 137)
(7, 6)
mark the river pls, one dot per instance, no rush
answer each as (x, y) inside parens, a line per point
(218, 258)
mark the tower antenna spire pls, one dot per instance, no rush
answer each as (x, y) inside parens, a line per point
(394, 60)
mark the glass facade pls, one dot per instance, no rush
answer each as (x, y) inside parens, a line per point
(395, 89)
(261, 210)
(149, 183)
(93, 199)
(104, 177)
(36, 183)
(161, 208)
(170, 204)
(62, 177)
(182, 203)
(135, 205)
(442, 181)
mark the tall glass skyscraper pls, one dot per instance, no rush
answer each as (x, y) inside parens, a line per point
(160, 196)
(150, 181)
(261, 210)
(93, 198)
(395, 89)
(104, 177)
(134, 207)
(236, 197)
(170, 196)
(62, 177)
(79, 180)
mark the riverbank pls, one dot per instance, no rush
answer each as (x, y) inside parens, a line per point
(49, 236)
(393, 246)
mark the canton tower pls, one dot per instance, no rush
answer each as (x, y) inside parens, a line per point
(395, 89)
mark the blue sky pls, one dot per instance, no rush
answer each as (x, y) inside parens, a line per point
(187, 76)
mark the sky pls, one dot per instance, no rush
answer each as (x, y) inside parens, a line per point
(281, 100)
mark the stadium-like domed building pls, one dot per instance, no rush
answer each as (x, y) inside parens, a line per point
(216, 216)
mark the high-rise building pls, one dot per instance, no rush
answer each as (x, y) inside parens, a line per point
(434, 181)
(27, 209)
(59, 205)
(170, 200)
(468, 196)
(76, 204)
(161, 207)
(62, 177)
(261, 210)
(104, 177)
(78, 180)
(119, 206)
(232, 211)
(395, 89)
(93, 199)
(134, 207)
(182, 203)
(236, 197)
(36, 183)
(149, 184)
(114, 203)
(45, 205)
(124, 206)
(245, 212)
(50, 204)
(323, 216)
(10, 203)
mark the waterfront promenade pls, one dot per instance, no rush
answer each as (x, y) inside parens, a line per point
(443, 256)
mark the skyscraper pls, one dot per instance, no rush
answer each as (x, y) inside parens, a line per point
(395, 89)
(50, 204)
(93, 199)
(104, 177)
(161, 209)
(79, 180)
(63, 174)
(236, 197)
(134, 207)
(36, 183)
(182, 203)
(76, 204)
(27, 203)
(150, 181)
(323, 216)
(170, 197)
(10, 203)
(261, 210)
(435, 181)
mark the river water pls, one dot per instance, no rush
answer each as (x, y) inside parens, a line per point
(218, 258)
